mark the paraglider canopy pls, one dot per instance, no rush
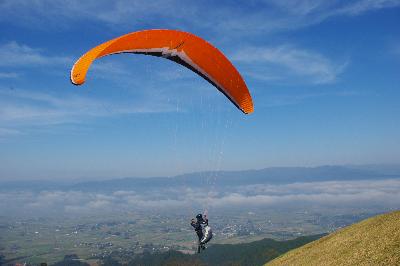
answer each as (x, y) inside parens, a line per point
(183, 48)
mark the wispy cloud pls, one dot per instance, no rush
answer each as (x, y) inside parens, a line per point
(266, 15)
(276, 15)
(39, 13)
(13, 54)
(362, 6)
(289, 99)
(6, 132)
(23, 107)
(395, 48)
(325, 9)
(8, 75)
(293, 61)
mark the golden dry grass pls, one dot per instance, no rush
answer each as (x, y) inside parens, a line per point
(374, 241)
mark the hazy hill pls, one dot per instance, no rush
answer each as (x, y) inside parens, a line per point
(374, 241)
(272, 175)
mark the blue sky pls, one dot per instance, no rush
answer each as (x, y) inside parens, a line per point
(323, 76)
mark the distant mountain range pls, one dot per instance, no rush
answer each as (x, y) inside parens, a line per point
(273, 175)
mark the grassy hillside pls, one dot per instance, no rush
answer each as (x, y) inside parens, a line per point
(374, 241)
(254, 253)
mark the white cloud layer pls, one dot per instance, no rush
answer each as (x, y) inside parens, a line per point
(378, 194)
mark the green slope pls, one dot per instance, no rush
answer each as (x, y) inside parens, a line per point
(374, 241)
(253, 253)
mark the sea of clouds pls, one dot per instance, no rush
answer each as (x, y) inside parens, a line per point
(368, 194)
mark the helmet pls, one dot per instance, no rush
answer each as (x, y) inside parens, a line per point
(199, 216)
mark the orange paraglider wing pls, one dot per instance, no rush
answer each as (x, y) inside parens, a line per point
(181, 47)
